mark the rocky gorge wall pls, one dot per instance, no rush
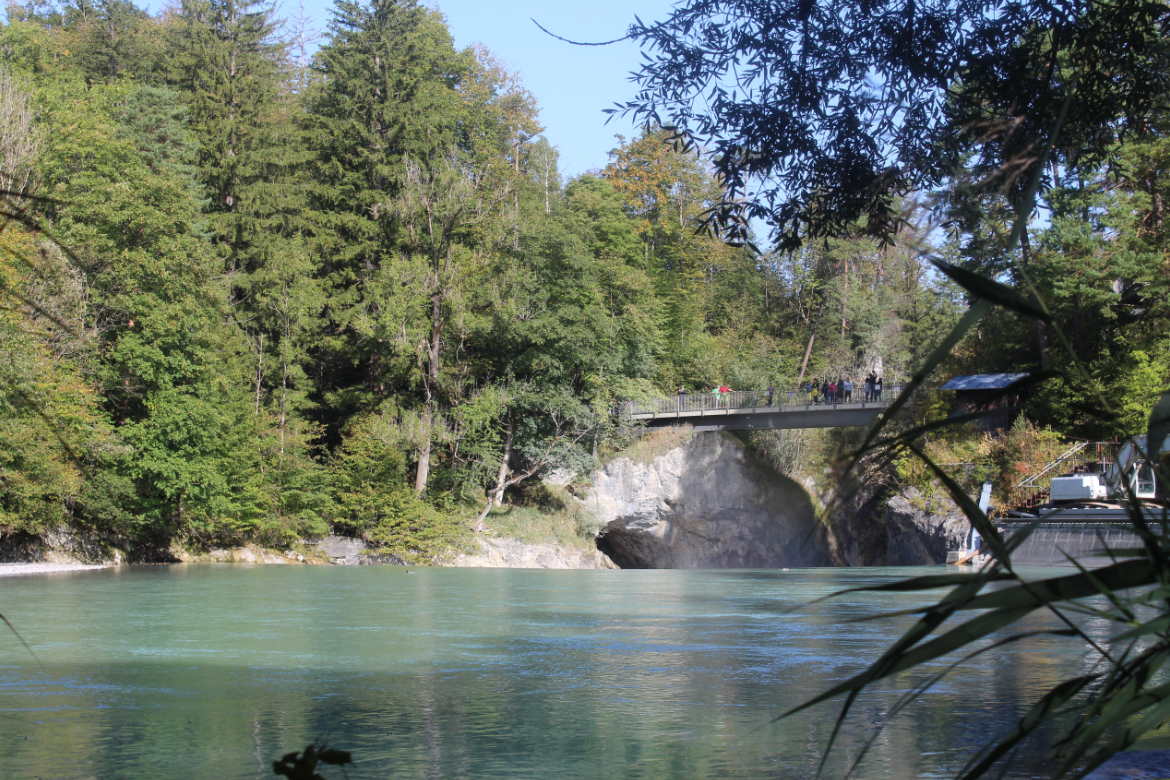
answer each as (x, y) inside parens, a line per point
(705, 501)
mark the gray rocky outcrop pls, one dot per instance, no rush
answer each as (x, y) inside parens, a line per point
(705, 503)
(921, 531)
(514, 554)
(350, 551)
(879, 526)
(62, 544)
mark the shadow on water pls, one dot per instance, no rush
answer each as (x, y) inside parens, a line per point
(467, 673)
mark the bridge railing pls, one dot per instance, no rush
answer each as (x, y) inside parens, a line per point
(743, 400)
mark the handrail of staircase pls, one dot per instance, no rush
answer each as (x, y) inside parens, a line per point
(1067, 455)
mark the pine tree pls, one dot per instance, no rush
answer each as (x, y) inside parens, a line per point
(227, 62)
(387, 94)
(387, 91)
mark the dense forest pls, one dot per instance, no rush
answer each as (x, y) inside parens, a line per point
(255, 291)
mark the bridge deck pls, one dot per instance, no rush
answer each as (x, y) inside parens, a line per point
(746, 418)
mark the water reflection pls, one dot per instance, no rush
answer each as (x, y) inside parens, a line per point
(213, 671)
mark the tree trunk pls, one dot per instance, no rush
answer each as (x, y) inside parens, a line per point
(430, 383)
(497, 495)
(283, 403)
(259, 373)
(811, 339)
(845, 300)
(424, 453)
(1041, 326)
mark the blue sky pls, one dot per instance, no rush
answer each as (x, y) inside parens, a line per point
(573, 84)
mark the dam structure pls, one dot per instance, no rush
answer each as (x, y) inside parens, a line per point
(751, 410)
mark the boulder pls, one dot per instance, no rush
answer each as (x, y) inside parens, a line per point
(349, 551)
(704, 503)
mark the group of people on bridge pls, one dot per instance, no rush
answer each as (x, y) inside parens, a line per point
(830, 391)
(841, 390)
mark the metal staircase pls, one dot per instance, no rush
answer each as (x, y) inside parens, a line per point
(1084, 457)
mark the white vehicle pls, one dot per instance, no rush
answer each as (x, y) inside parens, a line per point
(1132, 474)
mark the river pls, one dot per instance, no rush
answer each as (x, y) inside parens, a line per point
(216, 670)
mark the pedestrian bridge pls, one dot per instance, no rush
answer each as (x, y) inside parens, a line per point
(747, 410)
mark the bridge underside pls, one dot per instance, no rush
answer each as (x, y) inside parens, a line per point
(762, 419)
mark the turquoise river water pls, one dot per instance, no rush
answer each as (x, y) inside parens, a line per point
(213, 671)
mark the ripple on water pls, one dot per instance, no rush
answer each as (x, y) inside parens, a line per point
(464, 672)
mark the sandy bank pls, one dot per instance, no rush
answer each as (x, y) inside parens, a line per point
(13, 569)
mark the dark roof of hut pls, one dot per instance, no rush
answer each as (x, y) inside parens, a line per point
(983, 381)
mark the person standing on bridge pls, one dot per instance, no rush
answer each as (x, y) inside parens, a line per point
(869, 388)
(715, 393)
(682, 398)
(848, 390)
(725, 396)
(769, 394)
(877, 389)
(825, 390)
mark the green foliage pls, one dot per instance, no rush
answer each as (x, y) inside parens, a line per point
(887, 98)
(373, 500)
(973, 457)
(545, 514)
(266, 258)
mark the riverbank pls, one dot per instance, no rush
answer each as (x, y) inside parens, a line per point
(66, 551)
(16, 569)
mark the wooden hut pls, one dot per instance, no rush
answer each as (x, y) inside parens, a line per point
(990, 394)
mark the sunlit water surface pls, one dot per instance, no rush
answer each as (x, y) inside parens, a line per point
(213, 671)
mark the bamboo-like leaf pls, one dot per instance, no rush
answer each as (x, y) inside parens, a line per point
(1037, 714)
(918, 690)
(978, 311)
(934, 617)
(1119, 576)
(1117, 603)
(12, 628)
(919, 430)
(927, 582)
(1159, 426)
(1158, 625)
(990, 290)
(1122, 704)
(970, 631)
(974, 514)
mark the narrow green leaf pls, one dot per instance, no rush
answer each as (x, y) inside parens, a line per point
(1155, 626)
(990, 290)
(927, 582)
(1119, 576)
(972, 630)
(973, 315)
(974, 514)
(1037, 714)
(1159, 427)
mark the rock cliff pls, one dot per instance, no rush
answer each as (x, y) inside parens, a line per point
(921, 531)
(894, 528)
(705, 503)
(62, 545)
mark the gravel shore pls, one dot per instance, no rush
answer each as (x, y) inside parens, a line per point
(13, 569)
